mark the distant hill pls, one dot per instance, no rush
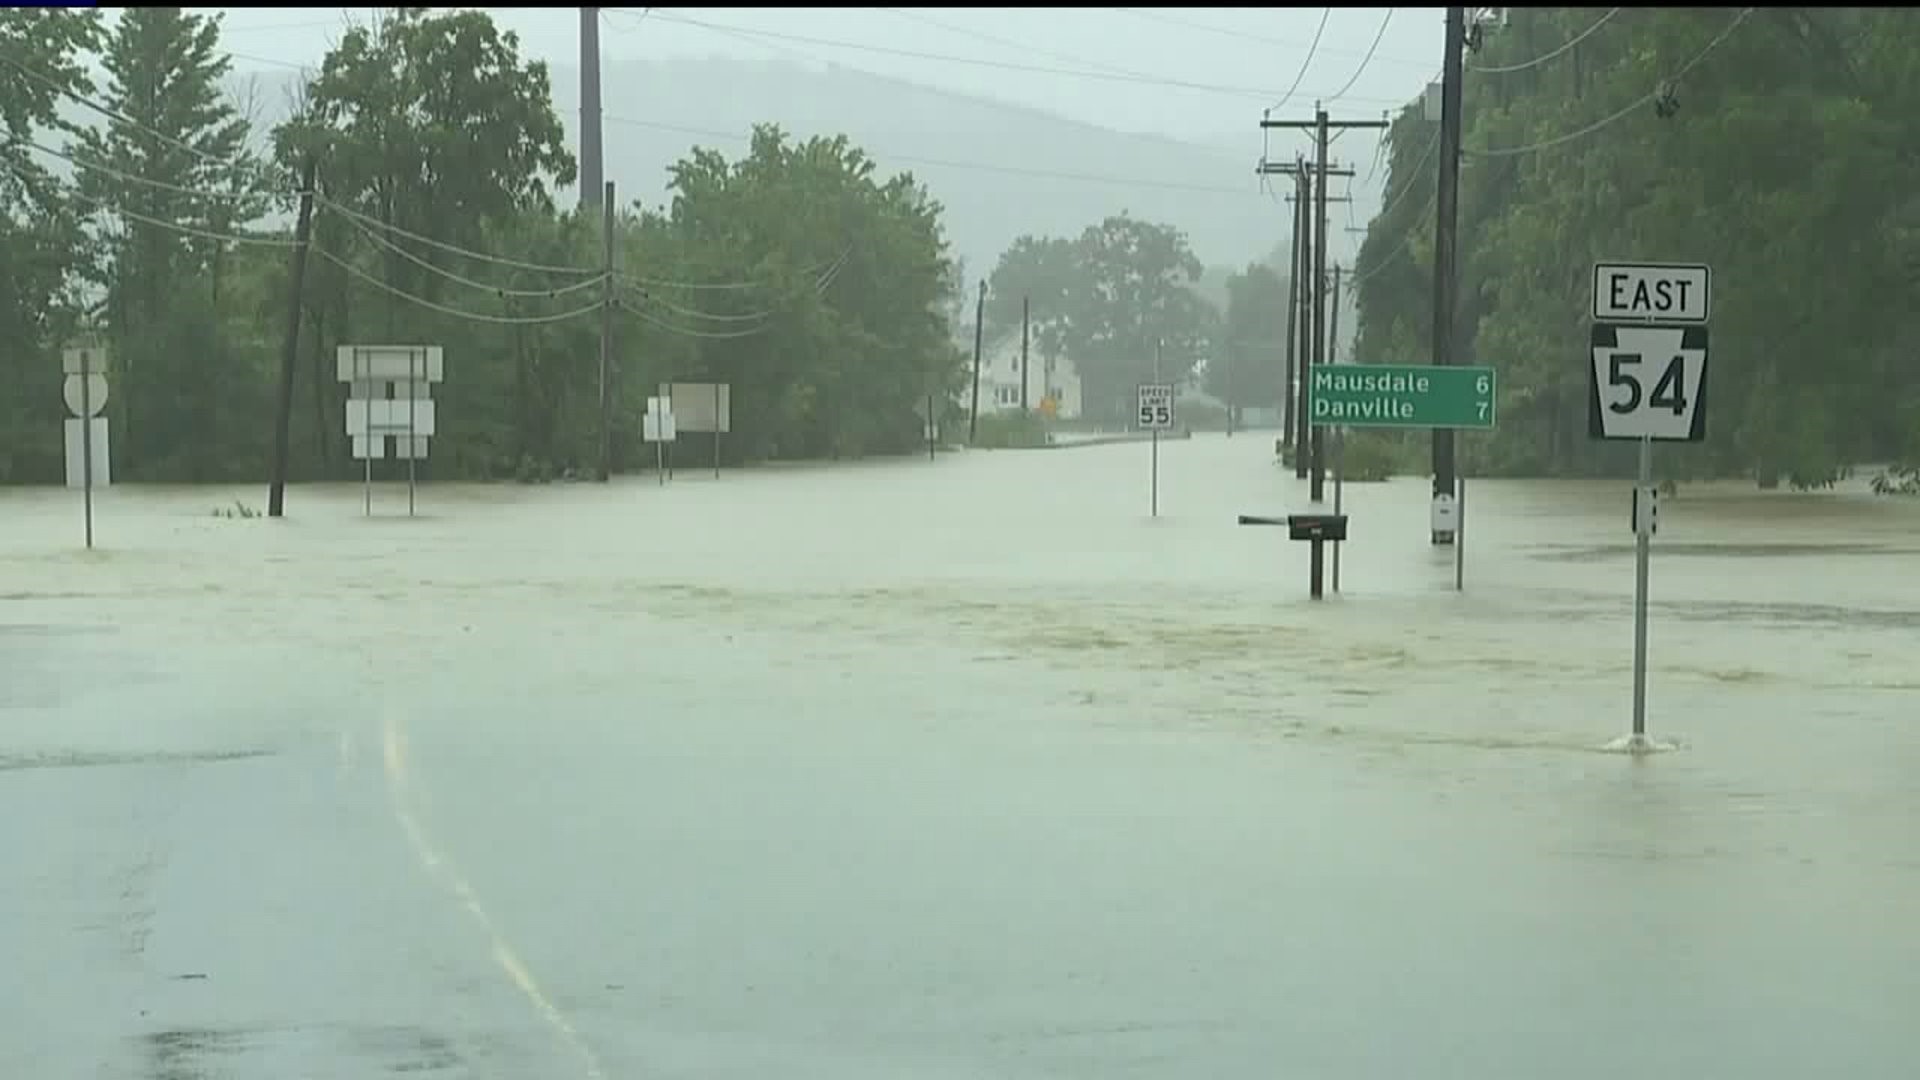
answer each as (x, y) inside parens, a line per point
(993, 166)
(985, 161)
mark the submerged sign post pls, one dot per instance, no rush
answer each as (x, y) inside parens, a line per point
(1647, 382)
(390, 396)
(1405, 396)
(1156, 415)
(84, 389)
(658, 427)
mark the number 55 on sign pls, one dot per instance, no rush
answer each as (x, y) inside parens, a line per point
(1648, 382)
(1156, 406)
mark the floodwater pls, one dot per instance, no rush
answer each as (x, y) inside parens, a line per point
(947, 769)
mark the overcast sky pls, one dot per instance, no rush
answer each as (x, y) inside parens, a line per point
(1122, 68)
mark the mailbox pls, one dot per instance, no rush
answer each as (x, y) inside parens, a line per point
(1316, 527)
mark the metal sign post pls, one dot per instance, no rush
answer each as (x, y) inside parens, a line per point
(1647, 381)
(1155, 415)
(1154, 403)
(1460, 538)
(657, 426)
(375, 376)
(88, 461)
(1343, 396)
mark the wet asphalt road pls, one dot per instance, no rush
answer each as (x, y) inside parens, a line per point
(961, 771)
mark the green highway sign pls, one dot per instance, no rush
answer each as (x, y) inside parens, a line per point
(1401, 396)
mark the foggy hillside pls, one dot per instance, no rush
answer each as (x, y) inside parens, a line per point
(985, 161)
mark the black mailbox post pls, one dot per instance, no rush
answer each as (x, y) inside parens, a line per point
(1316, 529)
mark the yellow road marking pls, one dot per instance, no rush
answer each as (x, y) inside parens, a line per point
(444, 871)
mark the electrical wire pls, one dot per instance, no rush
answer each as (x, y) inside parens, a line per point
(472, 316)
(1325, 14)
(57, 87)
(1398, 249)
(481, 256)
(1365, 60)
(1009, 43)
(101, 203)
(1003, 65)
(695, 313)
(706, 335)
(1538, 60)
(130, 178)
(498, 290)
(1648, 98)
(1244, 36)
(1413, 178)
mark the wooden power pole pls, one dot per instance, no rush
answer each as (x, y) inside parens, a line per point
(290, 345)
(1308, 436)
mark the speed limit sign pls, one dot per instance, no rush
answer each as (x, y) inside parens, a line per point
(1156, 406)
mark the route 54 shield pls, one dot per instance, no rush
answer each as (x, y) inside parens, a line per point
(1647, 381)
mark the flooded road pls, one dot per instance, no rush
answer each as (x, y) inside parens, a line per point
(955, 769)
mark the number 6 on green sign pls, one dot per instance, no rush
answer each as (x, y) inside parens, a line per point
(1482, 385)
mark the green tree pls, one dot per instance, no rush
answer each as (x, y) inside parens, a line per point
(42, 240)
(1109, 300)
(842, 332)
(1250, 360)
(1130, 304)
(1777, 158)
(168, 174)
(432, 125)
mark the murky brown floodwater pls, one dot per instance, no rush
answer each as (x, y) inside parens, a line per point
(954, 769)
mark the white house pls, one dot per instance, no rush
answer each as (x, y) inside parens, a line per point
(1000, 378)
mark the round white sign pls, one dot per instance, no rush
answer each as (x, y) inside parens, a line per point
(96, 393)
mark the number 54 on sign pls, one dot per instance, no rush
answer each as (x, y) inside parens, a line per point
(1648, 382)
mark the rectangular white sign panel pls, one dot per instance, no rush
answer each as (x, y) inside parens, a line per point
(700, 407)
(76, 453)
(1652, 292)
(1156, 406)
(405, 362)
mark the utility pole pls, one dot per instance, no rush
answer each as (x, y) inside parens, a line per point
(1025, 312)
(1333, 324)
(1445, 245)
(1299, 320)
(979, 320)
(1303, 272)
(1309, 438)
(606, 335)
(289, 345)
(1287, 391)
(592, 161)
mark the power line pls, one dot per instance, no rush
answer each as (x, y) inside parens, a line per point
(1325, 14)
(1244, 36)
(498, 290)
(481, 256)
(1002, 65)
(57, 87)
(101, 203)
(707, 335)
(472, 316)
(1648, 98)
(1009, 43)
(1413, 176)
(1365, 60)
(1406, 239)
(131, 178)
(1538, 60)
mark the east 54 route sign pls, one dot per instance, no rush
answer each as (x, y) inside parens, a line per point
(1648, 382)
(1401, 396)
